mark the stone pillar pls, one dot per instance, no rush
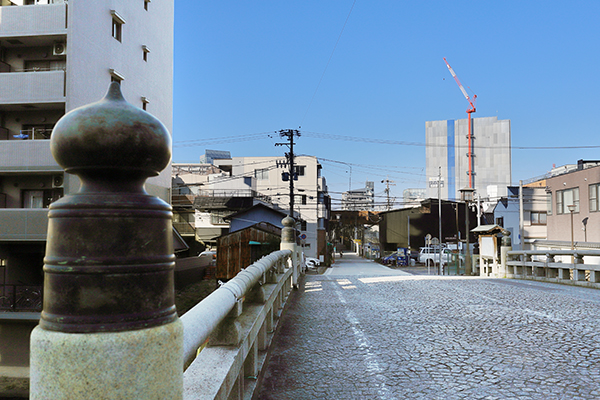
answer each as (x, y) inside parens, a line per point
(288, 242)
(504, 249)
(109, 328)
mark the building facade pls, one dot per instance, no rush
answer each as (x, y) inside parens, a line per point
(359, 199)
(311, 199)
(56, 56)
(579, 191)
(535, 205)
(446, 155)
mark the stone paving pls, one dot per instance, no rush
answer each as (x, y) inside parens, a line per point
(431, 337)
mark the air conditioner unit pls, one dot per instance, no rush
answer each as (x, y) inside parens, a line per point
(57, 181)
(59, 49)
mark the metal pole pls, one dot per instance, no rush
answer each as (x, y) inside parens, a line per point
(457, 234)
(571, 209)
(440, 217)
(408, 216)
(468, 269)
(521, 217)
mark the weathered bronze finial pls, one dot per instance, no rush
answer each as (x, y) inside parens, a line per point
(109, 256)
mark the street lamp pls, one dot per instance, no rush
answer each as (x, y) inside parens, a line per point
(571, 208)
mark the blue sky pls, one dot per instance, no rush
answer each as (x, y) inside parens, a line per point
(244, 69)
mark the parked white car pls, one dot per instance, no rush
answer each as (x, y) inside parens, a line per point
(208, 257)
(312, 262)
(430, 256)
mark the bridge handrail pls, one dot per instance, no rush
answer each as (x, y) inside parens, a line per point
(542, 265)
(205, 317)
(554, 252)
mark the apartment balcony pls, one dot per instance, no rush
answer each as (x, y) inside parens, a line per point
(23, 224)
(184, 228)
(30, 88)
(27, 155)
(33, 20)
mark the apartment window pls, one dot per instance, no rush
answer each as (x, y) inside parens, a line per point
(594, 204)
(549, 203)
(115, 76)
(538, 218)
(145, 51)
(565, 198)
(500, 221)
(299, 170)
(117, 25)
(304, 199)
(33, 199)
(302, 225)
(261, 174)
(40, 198)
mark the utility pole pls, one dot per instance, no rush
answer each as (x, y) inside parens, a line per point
(388, 183)
(291, 174)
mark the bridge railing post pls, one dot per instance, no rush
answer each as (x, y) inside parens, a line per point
(288, 242)
(109, 327)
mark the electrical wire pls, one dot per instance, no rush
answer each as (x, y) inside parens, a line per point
(327, 65)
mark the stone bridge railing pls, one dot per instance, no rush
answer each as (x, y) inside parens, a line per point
(231, 329)
(109, 328)
(550, 266)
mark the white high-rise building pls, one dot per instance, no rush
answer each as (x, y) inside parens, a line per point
(56, 56)
(446, 155)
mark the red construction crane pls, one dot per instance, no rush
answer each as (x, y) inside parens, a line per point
(469, 111)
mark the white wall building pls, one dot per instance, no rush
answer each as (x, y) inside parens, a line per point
(311, 198)
(359, 199)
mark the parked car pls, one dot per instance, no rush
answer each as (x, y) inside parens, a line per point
(312, 262)
(208, 257)
(395, 258)
(431, 255)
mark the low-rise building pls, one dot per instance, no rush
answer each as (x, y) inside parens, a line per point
(575, 197)
(508, 216)
(312, 203)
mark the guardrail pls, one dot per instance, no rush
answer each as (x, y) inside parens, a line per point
(227, 333)
(543, 265)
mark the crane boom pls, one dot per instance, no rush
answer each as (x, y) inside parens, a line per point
(471, 110)
(462, 89)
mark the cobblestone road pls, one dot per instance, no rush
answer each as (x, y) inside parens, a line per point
(429, 337)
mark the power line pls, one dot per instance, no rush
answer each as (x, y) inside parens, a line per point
(335, 137)
(326, 66)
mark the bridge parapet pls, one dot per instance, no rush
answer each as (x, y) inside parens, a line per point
(543, 265)
(227, 334)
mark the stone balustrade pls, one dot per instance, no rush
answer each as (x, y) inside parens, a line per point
(543, 265)
(227, 334)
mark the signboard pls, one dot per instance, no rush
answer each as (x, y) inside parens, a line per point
(303, 236)
(487, 246)
(434, 182)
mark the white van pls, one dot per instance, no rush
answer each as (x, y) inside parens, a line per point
(430, 256)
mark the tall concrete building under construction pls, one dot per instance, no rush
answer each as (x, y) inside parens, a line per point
(447, 151)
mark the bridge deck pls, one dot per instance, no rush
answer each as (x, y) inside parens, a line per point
(359, 332)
